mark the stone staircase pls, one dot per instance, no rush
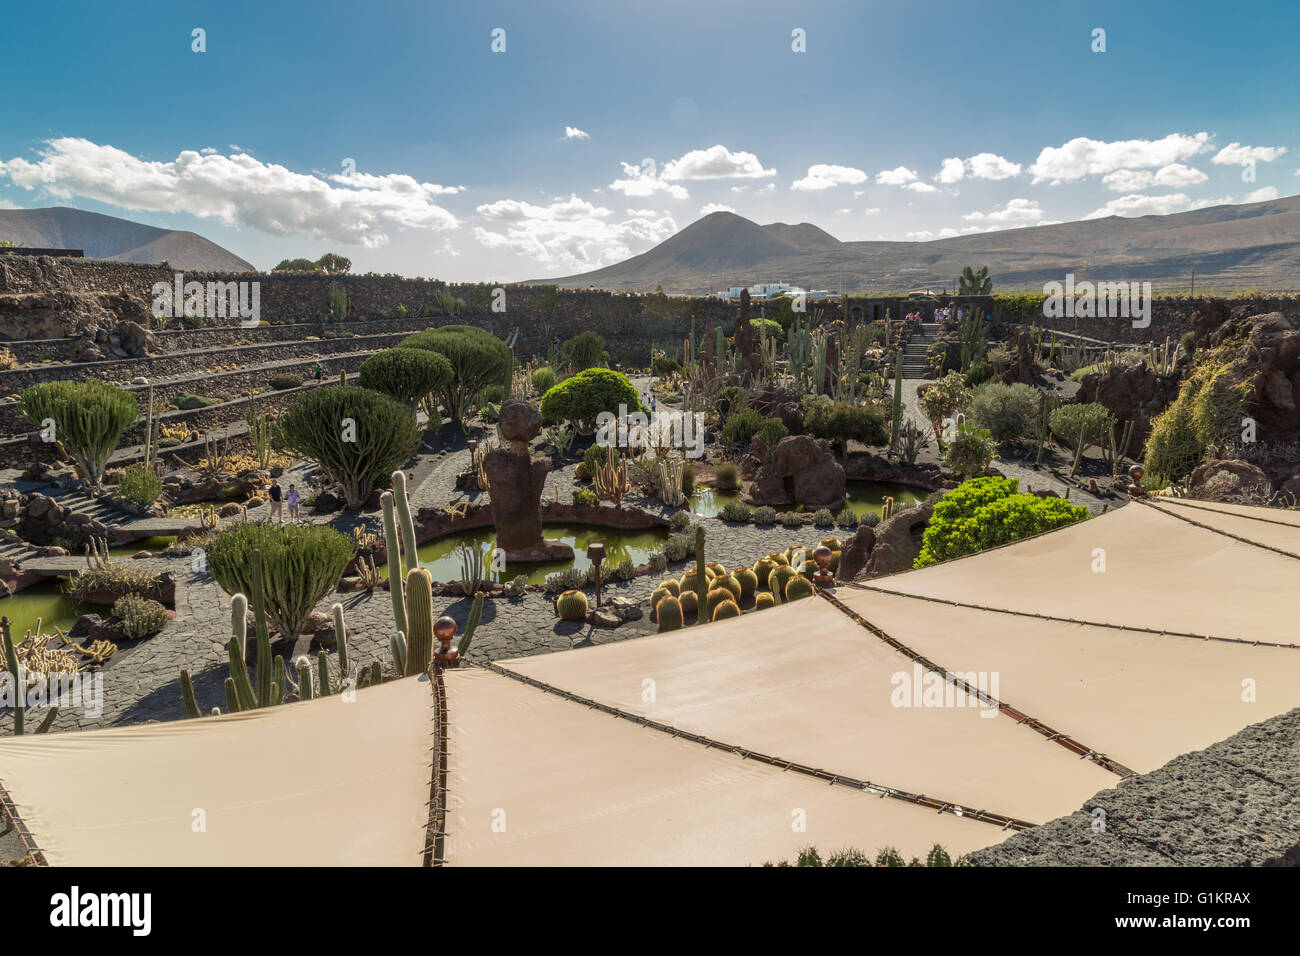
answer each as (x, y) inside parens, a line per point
(916, 354)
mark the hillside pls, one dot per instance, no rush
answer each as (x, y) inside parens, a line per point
(108, 237)
(1242, 247)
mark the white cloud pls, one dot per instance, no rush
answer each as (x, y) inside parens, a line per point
(947, 232)
(6, 204)
(640, 183)
(1234, 154)
(238, 190)
(770, 187)
(822, 176)
(920, 187)
(712, 207)
(1128, 180)
(1204, 203)
(572, 132)
(897, 176)
(571, 233)
(952, 170)
(873, 211)
(1262, 194)
(843, 212)
(991, 166)
(716, 162)
(1016, 210)
(1139, 205)
(859, 193)
(1173, 176)
(1176, 175)
(740, 189)
(1082, 157)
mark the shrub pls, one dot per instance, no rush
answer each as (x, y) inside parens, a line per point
(285, 380)
(848, 518)
(543, 379)
(680, 521)
(358, 437)
(663, 366)
(625, 570)
(946, 396)
(583, 351)
(678, 547)
(594, 456)
(119, 579)
(407, 376)
(734, 511)
(987, 512)
(1094, 420)
(300, 565)
(585, 497)
(568, 579)
(767, 327)
(765, 515)
(583, 397)
(970, 451)
(89, 417)
(823, 518)
(978, 373)
(726, 475)
(187, 402)
(139, 616)
(477, 358)
(772, 430)
(492, 395)
(1209, 406)
(741, 427)
(658, 562)
(838, 422)
(8, 360)
(139, 485)
(1007, 412)
(870, 519)
(792, 519)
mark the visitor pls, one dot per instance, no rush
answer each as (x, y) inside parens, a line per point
(277, 505)
(293, 503)
(318, 373)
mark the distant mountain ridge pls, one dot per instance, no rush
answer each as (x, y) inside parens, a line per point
(1230, 247)
(108, 237)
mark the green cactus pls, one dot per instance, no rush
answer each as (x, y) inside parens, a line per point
(279, 680)
(419, 618)
(232, 696)
(571, 606)
(672, 586)
(896, 411)
(701, 577)
(247, 700)
(715, 597)
(393, 547)
(475, 612)
(763, 568)
(304, 681)
(778, 580)
(341, 638)
(798, 587)
(669, 613)
(323, 674)
(726, 609)
(397, 647)
(187, 694)
(764, 599)
(406, 523)
(689, 601)
(239, 621)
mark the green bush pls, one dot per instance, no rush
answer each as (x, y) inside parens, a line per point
(301, 564)
(585, 497)
(769, 327)
(772, 430)
(978, 373)
(407, 376)
(492, 395)
(735, 511)
(678, 547)
(1207, 411)
(477, 358)
(187, 402)
(970, 451)
(285, 380)
(663, 366)
(139, 616)
(764, 515)
(88, 418)
(741, 427)
(823, 518)
(987, 512)
(1007, 412)
(838, 422)
(583, 397)
(792, 519)
(1093, 419)
(139, 485)
(358, 437)
(726, 476)
(583, 351)
(728, 399)
(543, 379)
(848, 518)
(680, 521)
(946, 396)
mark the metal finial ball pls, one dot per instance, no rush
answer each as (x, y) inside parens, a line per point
(444, 629)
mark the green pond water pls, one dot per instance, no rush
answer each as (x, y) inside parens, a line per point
(442, 558)
(861, 496)
(45, 601)
(142, 544)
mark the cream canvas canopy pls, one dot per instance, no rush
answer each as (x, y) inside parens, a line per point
(948, 705)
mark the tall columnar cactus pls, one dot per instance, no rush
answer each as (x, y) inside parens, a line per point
(187, 695)
(263, 633)
(896, 412)
(239, 621)
(475, 612)
(393, 546)
(405, 522)
(397, 647)
(701, 577)
(341, 638)
(419, 619)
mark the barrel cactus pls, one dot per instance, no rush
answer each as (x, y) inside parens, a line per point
(779, 577)
(726, 609)
(747, 580)
(571, 606)
(764, 599)
(762, 568)
(778, 557)
(672, 586)
(669, 613)
(689, 601)
(730, 583)
(835, 561)
(658, 595)
(716, 597)
(798, 587)
(832, 543)
(718, 569)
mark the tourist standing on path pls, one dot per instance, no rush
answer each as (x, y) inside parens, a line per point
(318, 373)
(277, 504)
(293, 503)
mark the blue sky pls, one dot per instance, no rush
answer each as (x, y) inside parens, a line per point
(901, 120)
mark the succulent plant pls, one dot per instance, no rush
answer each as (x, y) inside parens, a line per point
(763, 567)
(672, 585)
(730, 583)
(747, 580)
(726, 609)
(689, 602)
(764, 599)
(571, 606)
(670, 614)
(798, 587)
(778, 580)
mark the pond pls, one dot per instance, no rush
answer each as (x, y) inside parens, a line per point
(45, 601)
(861, 496)
(442, 558)
(159, 543)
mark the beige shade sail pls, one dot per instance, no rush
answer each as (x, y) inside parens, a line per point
(804, 683)
(537, 780)
(325, 782)
(1160, 573)
(1192, 505)
(1140, 698)
(1281, 533)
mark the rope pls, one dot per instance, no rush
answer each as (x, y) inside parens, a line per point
(1054, 736)
(34, 852)
(436, 829)
(1184, 503)
(1226, 534)
(984, 816)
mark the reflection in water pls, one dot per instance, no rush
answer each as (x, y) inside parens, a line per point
(861, 496)
(45, 601)
(160, 543)
(443, 560)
